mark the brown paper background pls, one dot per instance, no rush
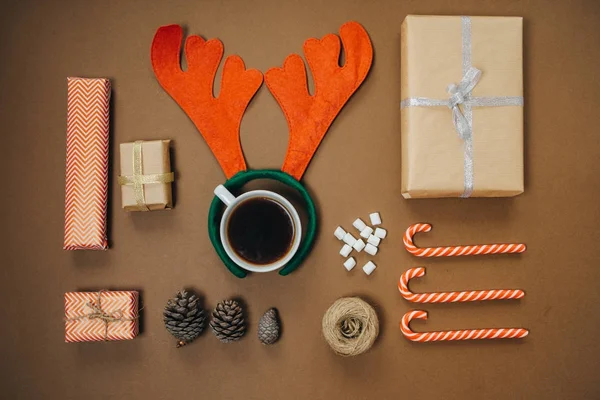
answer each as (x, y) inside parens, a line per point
(356, 171)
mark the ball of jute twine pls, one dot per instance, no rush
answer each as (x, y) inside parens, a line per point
(350, 326)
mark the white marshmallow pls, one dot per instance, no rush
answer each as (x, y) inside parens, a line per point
(380, 233)
(374, 240)
(359, 224)
(375, 219)
(349, 239)
(366, 232)
(369, 267)
(346, 250)
(350, 263)
(359, 245)
(339, 233)
(369, 248)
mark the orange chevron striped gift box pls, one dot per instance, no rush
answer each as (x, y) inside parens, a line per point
(87, 163)
(101, 316)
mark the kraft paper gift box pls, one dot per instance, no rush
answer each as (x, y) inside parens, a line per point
(146, 176)
(86, 186)
(101, 316)
(467, 139)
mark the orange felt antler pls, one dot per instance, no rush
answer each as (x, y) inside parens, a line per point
(308, 116)
(218, 119)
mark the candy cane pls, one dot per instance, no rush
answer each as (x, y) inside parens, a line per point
(455, 250)
(451, 297)
(467, 334)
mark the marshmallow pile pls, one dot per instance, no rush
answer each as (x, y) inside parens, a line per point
(373, 239)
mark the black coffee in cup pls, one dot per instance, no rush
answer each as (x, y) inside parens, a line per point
(260, 230)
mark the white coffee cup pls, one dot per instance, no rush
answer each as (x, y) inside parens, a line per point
(231, 202)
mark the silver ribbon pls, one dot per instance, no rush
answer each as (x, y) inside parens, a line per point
(460, 96)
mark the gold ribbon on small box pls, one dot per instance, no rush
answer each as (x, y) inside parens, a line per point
(98, 313)
(138, 179)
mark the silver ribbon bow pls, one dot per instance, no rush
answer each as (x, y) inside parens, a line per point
(460, 95)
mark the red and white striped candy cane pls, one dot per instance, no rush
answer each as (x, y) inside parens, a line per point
(466, 334)
(455, 250)
(451, 297)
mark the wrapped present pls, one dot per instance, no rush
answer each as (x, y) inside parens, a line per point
(87, 163)
(462, 106)
(101, 316)
(146, 176)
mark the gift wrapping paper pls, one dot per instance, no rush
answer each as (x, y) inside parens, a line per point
(119, 307)
(155, 164)
(438, 51)
(87, 163)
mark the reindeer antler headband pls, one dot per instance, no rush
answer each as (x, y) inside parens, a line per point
(218, 118)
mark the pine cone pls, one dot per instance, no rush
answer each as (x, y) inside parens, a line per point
(228, 323)
(184, 318)
(269, 327)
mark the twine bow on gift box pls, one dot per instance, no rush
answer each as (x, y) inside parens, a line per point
(138, 179)
(460, 96)
(98, 313)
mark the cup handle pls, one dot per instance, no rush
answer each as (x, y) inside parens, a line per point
(224, 195)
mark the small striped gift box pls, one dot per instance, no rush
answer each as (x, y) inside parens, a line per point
(101, 316)
(87, 163)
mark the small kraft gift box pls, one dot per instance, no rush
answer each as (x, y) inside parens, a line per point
(146, 175)
(101, 316)
(462, 106)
